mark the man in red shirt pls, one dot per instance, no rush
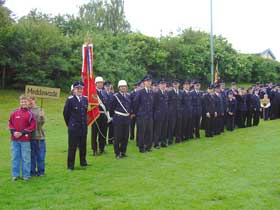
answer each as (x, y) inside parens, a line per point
(21, 123)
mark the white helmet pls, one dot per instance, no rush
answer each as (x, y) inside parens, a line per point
(122, 83)
(99, 79)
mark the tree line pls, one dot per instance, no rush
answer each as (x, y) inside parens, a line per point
(42, 49)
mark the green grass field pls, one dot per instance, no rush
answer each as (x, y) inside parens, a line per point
(238, 170)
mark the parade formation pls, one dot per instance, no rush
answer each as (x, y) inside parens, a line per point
(165, 114)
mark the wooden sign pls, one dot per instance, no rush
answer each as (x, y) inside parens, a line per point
(42, 92)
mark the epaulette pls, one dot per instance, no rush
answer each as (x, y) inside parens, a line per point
(70, 97)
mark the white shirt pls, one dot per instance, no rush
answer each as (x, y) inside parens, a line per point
(79, 98)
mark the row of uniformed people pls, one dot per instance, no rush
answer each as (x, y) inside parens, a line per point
(160, 113)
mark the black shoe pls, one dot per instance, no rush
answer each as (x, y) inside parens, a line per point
(163, 145)
(131, 138)
(142, 151)
(157, 147)
(148, 150)
(70, 169)
(84, 164)
(102, 152)
(95, 153)
(123, 155)
(118, 157)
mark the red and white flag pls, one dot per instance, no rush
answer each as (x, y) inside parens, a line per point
(89, 85)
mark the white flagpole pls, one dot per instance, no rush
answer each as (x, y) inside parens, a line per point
(212, 43)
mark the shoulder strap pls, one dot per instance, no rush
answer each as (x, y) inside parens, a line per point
(121, 104)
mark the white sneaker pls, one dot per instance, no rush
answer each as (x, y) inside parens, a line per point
(15, 178)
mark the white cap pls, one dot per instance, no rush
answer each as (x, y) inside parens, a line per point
(122, 83)
(99, 79)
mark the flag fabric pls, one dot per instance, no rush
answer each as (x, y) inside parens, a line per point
(216, 76)
(89, 85)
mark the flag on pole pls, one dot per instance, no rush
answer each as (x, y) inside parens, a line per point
(89, 85)
(216, 77)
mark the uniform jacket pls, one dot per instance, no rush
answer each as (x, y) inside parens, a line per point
(75, 115)
(187, 104)
(241, 103)
(232, 106)
(175, 104)
(219, 104)
(143, 104)
(196, 100)
(255, 102)
(132, 96)
(116, 106)
(160, 105)
(104, 97)
(208, 104)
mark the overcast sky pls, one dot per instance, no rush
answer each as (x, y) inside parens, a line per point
(251, 26)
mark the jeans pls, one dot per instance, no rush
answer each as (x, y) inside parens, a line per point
(38, 154)
(21, 156)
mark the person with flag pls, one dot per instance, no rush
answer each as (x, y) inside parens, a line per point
(100, 126)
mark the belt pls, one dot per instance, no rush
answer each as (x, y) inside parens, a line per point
(122, 114)
(102, 112)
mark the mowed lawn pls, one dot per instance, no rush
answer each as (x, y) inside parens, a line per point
(239, 170)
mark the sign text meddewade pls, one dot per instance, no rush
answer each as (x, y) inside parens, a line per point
(42, 92)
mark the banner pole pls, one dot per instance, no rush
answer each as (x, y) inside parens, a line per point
(41, 103)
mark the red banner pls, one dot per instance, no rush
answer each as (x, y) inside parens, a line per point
(89, 85)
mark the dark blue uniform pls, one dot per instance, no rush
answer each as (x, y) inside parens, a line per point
(160, 118)
(231, 108)
(249, 114)
(187, 115)
(143, 108)
(219, 108)
(224, 97)
(121, 109)
(241, 110)
(196, 100)
(75, 116)
(255, 106)
(133, 119)
(175, 119)
(209, 107)
(99, 127)
(110, 129)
